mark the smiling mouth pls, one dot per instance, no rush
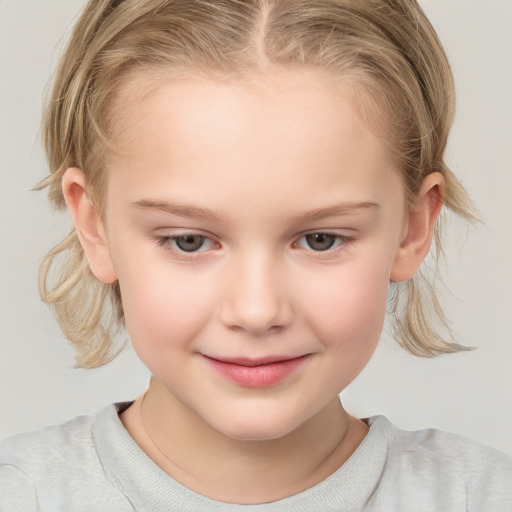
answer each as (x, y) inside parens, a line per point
(256, 373)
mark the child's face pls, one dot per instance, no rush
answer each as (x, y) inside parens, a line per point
(211, 224)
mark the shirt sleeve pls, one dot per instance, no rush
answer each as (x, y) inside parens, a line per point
(492, 488)
(16, 491)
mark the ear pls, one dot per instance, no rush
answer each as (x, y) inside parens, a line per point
(89, 225)
(419, 228)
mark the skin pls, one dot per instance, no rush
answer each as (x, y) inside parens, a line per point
(253, 167)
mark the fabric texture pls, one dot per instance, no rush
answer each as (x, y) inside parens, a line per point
(92, 464)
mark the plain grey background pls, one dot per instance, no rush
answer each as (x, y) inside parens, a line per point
(469, 393)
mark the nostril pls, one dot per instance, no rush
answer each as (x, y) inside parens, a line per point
(257, 323)
(257, 329)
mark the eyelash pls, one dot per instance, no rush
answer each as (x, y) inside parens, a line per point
(169, 244)
(340, 242)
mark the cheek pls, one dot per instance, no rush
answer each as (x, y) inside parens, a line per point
(164, 306)
(348, 309)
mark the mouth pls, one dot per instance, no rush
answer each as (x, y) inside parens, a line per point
(256, 373)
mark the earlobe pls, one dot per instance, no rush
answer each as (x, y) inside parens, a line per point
(420, 222)
(89, 225)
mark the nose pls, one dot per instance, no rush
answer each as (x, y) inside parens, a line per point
(257, 300)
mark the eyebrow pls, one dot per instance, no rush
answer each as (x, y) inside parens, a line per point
(336, 210)
(182, 210)
(194, 212)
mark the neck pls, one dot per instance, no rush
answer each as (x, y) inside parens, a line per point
(231, 470)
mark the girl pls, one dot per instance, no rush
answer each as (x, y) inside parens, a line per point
(246, 179)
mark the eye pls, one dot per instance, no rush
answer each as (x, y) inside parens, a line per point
(187, 243)
(321, 241)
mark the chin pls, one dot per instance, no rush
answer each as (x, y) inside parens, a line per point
(257, 427)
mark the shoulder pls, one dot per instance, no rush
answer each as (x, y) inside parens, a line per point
(441, 448)
(30, 459)
(68, 442)
(454, 467)
(59, 464)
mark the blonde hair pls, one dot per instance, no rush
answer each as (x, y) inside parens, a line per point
(386, 48)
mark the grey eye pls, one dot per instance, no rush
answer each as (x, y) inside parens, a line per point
(320, 241)
(189, 243)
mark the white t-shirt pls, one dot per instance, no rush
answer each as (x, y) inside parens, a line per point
(92, 464)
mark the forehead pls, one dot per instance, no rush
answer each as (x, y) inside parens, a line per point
(268, 130)
(197, 93)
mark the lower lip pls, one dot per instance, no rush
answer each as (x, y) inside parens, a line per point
(263, 376)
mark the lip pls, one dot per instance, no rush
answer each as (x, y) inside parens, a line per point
(256, 373)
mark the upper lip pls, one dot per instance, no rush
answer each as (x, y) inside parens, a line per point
(259, 361)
